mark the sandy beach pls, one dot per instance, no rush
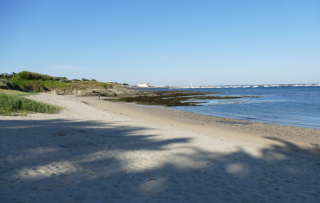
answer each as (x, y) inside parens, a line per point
(101, 151)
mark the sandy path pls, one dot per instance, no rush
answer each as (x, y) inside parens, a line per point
(100, 152)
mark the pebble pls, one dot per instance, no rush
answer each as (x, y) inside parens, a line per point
(308, 135)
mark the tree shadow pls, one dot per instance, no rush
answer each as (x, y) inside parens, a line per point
(92, 161)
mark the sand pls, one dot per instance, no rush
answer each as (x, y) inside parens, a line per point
(99, 151)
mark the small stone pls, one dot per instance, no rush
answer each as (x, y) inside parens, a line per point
(151, 178)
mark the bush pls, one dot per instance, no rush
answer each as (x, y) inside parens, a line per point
(6, 84)
(26, 75)
(7, 75)
(29, 81)
(17, 104)
(65, 80)
(101, 84)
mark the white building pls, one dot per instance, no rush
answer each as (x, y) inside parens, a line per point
(144, 85)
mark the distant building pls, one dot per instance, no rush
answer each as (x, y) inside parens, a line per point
(144, 85)
(129, 86)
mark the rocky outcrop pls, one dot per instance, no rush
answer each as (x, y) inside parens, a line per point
(130, 93)
(65, 92)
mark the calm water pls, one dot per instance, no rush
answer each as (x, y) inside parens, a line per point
(294, 106)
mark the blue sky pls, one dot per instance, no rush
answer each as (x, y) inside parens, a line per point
(161, 42)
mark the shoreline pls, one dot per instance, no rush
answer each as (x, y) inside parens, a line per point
(290, 133)
(101, 151)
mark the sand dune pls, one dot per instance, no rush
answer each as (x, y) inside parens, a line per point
(98, 151)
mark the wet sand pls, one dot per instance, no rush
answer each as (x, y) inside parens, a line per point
(290, 133)
(101, 151)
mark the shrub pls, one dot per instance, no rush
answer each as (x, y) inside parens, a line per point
(14, 103)
(29, 81)
(64, 80)
(26, 75)
(7, 75)
(6, 84)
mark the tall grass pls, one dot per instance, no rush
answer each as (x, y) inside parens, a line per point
(13, 104)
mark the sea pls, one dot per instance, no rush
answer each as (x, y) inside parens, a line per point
(285, 105)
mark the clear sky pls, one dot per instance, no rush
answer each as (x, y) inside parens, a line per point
(174, 42)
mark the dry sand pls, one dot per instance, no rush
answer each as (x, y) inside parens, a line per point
(99, 151)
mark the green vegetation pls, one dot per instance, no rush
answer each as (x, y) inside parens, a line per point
(25, 75)
(36, 82)
(14, 86)
(4, 84)
(17, 92)
(13, 104)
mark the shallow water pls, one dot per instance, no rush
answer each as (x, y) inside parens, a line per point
(294, 106)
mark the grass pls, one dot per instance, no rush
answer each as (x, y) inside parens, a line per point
(17, 92)
(40, 86)
(12, 103)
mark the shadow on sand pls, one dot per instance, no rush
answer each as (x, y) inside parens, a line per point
(102, 162)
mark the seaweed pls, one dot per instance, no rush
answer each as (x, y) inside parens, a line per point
(177, 98)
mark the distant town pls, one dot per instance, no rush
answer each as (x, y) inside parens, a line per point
(147, 85)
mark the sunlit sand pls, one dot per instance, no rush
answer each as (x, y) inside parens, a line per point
(99, 151)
